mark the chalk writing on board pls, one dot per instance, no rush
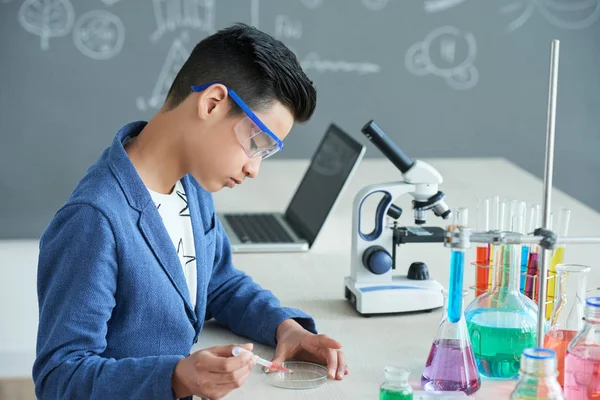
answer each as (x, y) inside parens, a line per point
(447, 53)
(285, 28)
(563, 14)
(312, 4)
(47, 19)
(99, 34)
(313, 61)
(254, 13)
(109, 2)
(176, 57)
(173, 14)
(432, 6)
(375, 5)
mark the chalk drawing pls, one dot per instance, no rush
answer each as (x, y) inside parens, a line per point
(447, 53)
(109, 2)
(563, 14)
(99, 34)
(285, 28)
(47, 19)
(254, 13)
(173, 14)
(433, 6)
(176, 57)
(375, 5)
(313, 61)
(312, 4)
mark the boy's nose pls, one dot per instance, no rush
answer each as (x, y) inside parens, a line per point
(252, 166)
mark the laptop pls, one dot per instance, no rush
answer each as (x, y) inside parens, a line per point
(331, 168)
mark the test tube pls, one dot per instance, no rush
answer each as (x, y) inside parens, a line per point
(514, 205)
(532, 262)
(482, 263)
(519, 227)
(564, 220)
(562, 229)
(550, 225)
(457, 262)
(495, 227)
(517, 216)
(496, 213)
(502, 217)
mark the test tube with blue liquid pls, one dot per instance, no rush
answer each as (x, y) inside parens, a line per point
(457, 266)
(519, 216)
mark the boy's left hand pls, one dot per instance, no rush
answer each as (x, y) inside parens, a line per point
(293, 341)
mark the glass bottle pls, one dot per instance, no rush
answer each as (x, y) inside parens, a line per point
(451, 365)
(567, 317)
(503, 322)
(582, 362)
(538, 376)
(395, 386)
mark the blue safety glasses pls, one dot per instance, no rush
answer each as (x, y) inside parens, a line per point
(256, 139)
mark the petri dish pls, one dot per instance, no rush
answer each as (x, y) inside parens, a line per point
(306, 376)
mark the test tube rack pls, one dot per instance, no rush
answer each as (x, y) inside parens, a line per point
(461, 238)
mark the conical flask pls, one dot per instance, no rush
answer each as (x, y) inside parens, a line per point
(503, 322)
(567, 316)
(451, 365)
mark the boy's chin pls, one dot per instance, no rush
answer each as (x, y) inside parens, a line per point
(211, 186)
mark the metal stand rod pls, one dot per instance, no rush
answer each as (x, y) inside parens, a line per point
(548, 171)
(479, 237)
(568, 240)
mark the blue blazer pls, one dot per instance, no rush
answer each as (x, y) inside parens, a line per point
(114, 309)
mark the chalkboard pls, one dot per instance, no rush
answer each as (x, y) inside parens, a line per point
(444, 78)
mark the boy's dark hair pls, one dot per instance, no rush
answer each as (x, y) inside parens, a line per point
(259, 68)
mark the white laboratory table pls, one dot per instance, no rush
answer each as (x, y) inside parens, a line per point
(314, 281)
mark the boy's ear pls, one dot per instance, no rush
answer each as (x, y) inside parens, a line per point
(213, 101)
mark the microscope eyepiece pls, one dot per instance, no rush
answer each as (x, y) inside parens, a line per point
(378, 137)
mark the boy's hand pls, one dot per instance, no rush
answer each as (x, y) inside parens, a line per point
(212, 373)
(293, 341)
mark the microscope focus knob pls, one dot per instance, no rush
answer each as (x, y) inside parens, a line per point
(418, 271)
(377, 260)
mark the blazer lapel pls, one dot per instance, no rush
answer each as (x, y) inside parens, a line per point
(150, 223)
(159, 241)
(202, 263)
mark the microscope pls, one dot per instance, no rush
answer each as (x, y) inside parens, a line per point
(372, 288)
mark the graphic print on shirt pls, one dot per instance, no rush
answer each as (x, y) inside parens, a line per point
(185, 260)
(174, 211)
(185, 212)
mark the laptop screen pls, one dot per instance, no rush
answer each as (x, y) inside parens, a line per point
(330, 167)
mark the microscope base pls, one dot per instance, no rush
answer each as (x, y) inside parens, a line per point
(398, 296)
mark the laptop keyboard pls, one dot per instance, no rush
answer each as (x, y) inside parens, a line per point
(258, 228)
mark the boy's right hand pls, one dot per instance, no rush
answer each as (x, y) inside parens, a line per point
(212, 373)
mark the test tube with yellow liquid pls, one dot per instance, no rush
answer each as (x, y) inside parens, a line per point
(562, 229)
(495, 226)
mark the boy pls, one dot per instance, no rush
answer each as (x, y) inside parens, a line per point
(136, 260)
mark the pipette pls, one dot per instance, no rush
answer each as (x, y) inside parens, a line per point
(261, 361)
